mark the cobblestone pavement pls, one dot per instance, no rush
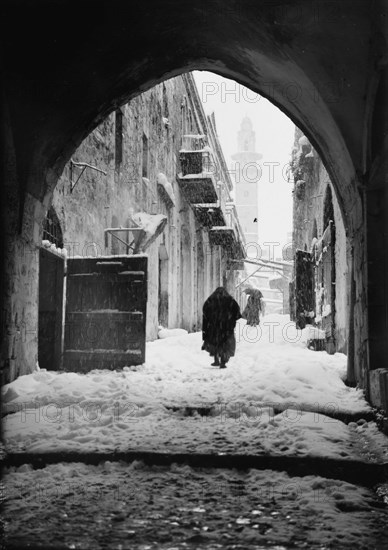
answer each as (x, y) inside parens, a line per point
(133, 506)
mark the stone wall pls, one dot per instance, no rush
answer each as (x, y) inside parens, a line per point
(311, 183)
(19, 273)
(99, 201)
(342, 105)
(158, 117)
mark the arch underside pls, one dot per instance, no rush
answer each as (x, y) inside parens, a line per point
(82, 63)
(68, 63)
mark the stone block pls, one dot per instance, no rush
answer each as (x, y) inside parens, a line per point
(384, 389)
(378, 388)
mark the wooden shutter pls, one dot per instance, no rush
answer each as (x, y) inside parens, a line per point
(105, 325)
(304, 289)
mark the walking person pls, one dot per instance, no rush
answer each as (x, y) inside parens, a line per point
(254, 307)
(220, 314)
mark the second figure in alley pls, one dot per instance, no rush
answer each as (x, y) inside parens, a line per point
(254, 306)
(220, 314)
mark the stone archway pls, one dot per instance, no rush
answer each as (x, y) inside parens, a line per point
(93, 85)
(57, 90)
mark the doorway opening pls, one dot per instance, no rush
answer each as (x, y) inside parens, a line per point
(51, 288)
(163, 286)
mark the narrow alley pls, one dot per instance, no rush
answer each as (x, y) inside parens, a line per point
(274, 451)
(194, 275)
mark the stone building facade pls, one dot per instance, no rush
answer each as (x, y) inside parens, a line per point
(158, 155)
(60, 86)
(319, 237)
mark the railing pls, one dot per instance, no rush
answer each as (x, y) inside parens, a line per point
(198, 162)
(238, 227)
(231, 218)
(196, 157)
(222, 197)
(208, 164)
(193, 142)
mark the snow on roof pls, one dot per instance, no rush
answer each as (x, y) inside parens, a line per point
(162, 180)
(205, 174)
(51, 247)
(194, 136)
(108, 257)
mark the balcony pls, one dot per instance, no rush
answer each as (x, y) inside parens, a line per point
(213, 213)
(229, 236)
(198, 177)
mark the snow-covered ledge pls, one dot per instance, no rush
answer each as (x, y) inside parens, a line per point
(166, 190)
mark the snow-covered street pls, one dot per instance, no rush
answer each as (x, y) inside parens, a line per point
(276, 398)
(121, 506)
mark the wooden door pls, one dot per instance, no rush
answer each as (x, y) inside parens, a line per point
(51, 273)
(325, 285)
(163, 297)
(105, 326)
(304, 289)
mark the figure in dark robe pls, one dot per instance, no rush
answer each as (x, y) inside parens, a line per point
(254, 307)
(220, 314)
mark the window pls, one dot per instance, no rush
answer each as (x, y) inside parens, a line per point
(144, 172)
(52, 229)
(119, 138)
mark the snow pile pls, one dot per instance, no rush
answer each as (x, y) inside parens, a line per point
(91, 427)
(78, 506)
(171, 332)
(162, 180)
(61, 252)
(148, 222)
(314, 333)
(276, 396)
(152, 226)
(108, 256)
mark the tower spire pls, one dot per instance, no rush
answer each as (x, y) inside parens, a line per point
(247, 173)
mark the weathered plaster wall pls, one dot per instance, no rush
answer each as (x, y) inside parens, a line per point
(325, 79)
(19, 273)
(99, 201)
(308, 222)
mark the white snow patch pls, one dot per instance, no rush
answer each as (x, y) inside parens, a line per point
(136, 408)
(171, 332)
(78, 503)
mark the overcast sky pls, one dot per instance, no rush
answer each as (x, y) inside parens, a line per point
(274, 140)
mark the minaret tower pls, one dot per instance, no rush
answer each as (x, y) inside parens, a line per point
(247, 173)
